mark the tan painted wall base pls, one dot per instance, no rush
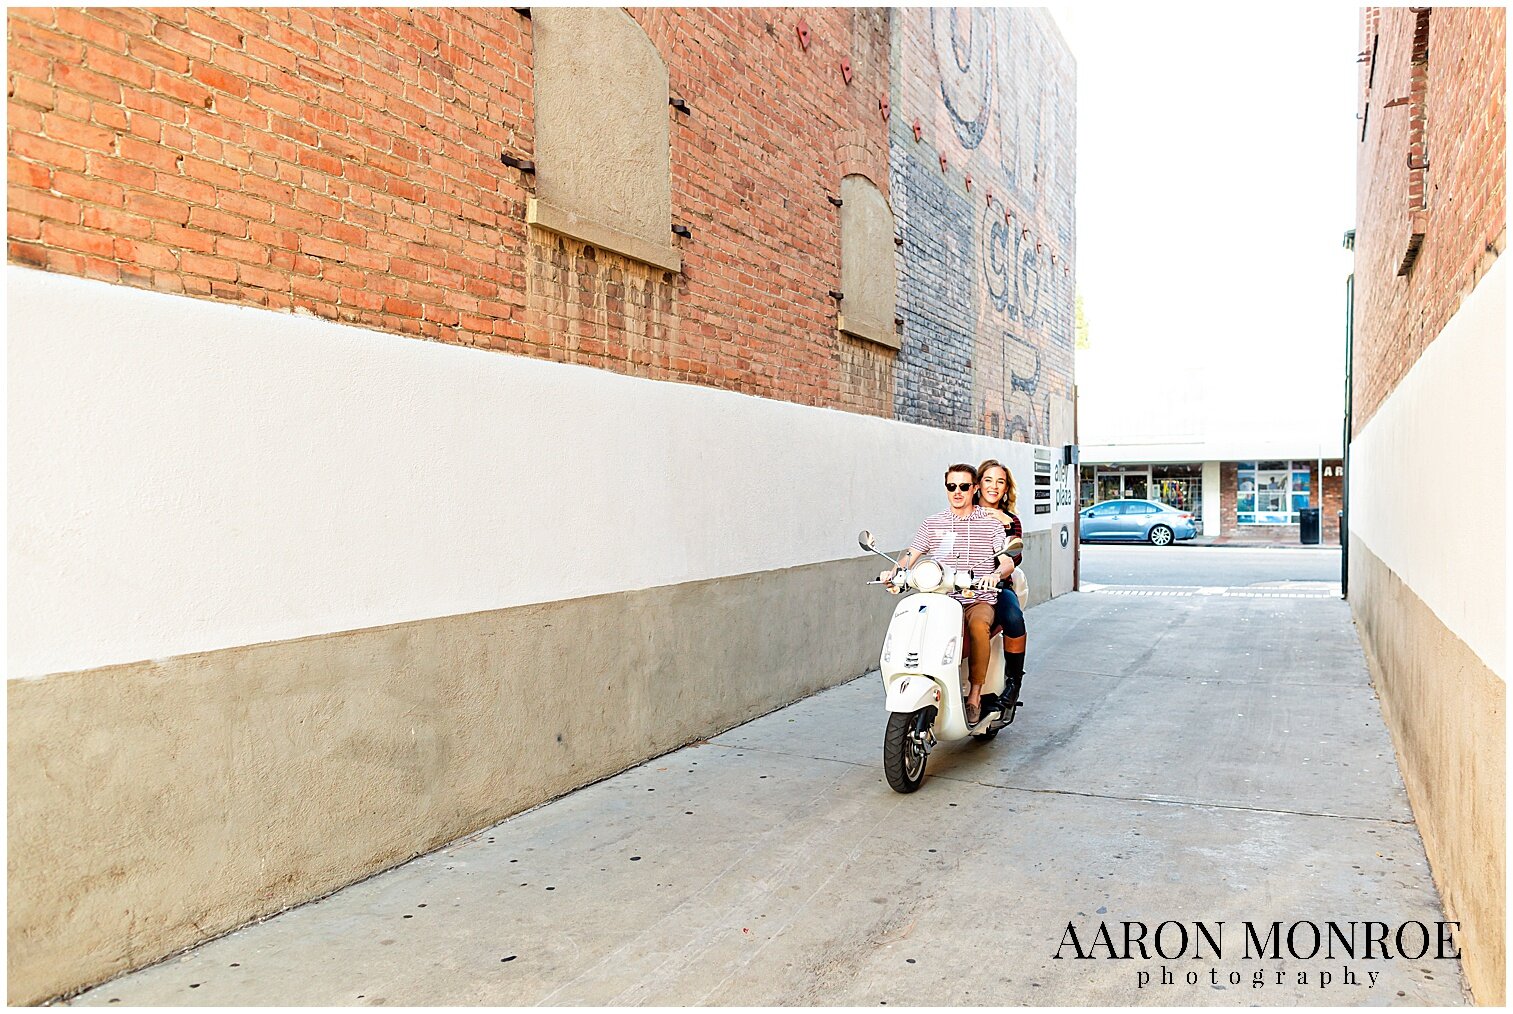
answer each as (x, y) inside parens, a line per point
(1038, 564)
(158, 804)
(1447, 713)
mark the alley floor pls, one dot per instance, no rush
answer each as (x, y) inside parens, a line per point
(1194, 753)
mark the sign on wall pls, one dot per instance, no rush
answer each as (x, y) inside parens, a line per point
(1042, 480)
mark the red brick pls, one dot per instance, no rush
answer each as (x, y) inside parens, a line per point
(42, 40)
(208, 267)
(50, 153)
(88, 188)
(160, 56)
(76, 78)
(183, 239)
(86, 25)
(153, 206)
(80, 240)
(218, 79)
(216, 221)
(22, 226)
(116, 222)
(262, 277)
(79, 135)
(177, 39)
(119, 67)
(213, 28)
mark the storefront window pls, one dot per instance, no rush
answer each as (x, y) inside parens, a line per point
(1271, 492)
(1180, 486)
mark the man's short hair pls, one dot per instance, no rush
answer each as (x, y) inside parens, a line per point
(970, 470)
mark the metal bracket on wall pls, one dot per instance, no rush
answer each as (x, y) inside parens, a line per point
(525, 165)
(682, 230)
(942, 163)
(969, 181)
(837, 295)
(846, 69)
(524, 12)
(678, 104)
(898, 241)
(1418, 165)
(918, 130)
(802, 28)
(834, 200)
(882, 103)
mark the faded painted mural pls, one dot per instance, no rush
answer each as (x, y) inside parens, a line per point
(982, 138)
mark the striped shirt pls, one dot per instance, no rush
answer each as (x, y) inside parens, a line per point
(969, 543)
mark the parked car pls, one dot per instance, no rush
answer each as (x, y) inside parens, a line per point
(1135, 521)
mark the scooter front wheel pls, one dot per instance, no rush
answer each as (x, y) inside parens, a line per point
(904, 755)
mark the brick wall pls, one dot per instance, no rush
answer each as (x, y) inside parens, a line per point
(1459, 126)
(1324, 494)
(335, 162)
(345, 163)
(986, 299)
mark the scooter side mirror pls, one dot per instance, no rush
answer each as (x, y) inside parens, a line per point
(865, 540)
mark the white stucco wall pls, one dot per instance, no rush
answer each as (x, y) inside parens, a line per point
(1445, 422)
(188, 475)
(1213, 503)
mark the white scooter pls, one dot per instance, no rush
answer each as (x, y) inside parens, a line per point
(925, 671)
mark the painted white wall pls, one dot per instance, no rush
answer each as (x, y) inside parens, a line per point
(1446, 421)
(1213, 502)
(188, 475)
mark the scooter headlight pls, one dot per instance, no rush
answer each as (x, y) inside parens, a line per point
(928, 576)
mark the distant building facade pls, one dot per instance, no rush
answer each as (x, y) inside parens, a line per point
(1258, 499)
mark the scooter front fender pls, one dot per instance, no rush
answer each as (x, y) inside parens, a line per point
(909, 693)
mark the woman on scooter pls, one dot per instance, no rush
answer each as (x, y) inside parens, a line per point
(996, 495)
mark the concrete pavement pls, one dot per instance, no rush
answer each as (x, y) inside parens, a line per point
(1197, 757)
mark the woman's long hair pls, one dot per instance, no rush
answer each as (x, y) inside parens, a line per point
(1010, 494)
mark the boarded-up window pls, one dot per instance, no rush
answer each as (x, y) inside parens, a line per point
(603, 159)
(868, 271)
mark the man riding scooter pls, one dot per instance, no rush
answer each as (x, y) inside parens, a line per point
(966, 538)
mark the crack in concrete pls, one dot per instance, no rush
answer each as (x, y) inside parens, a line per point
(1173, 801)
(1169, 800)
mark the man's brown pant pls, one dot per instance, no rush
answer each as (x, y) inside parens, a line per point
(979, 617)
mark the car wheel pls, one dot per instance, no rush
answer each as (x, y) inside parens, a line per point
(1161, 535)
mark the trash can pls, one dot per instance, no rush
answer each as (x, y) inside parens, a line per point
(1308, 526)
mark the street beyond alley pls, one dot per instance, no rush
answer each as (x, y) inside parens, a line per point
(1211, 754)
(1196, 566)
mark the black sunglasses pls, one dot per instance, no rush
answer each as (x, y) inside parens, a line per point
(963, 486)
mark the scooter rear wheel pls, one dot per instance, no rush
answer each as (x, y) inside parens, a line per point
(903, 756)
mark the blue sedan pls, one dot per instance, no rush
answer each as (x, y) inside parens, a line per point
(1135, 521)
